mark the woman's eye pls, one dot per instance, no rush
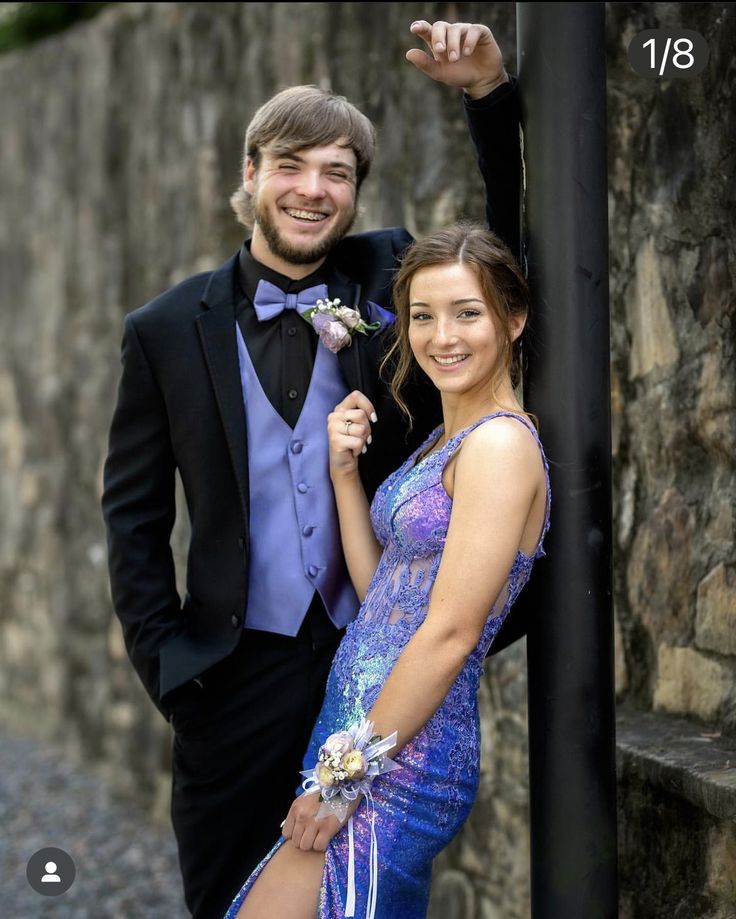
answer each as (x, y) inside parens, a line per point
(469, 314)
(419, 316)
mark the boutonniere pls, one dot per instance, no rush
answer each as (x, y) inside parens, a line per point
(385, 318)
(336, 324)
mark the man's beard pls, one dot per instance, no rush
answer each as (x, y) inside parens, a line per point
(308, 253)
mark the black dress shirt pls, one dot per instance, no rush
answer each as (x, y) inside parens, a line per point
(282, 349)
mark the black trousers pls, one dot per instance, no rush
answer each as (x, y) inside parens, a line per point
(239, 741)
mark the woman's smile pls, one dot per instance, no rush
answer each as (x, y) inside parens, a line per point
(449, 361)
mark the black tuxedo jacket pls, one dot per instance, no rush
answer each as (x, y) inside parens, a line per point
(180, 407)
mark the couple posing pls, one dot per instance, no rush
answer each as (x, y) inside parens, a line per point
(330, 535)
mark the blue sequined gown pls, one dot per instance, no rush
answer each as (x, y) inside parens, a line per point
(420, 807)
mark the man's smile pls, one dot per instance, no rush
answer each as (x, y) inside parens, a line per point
(299, 214)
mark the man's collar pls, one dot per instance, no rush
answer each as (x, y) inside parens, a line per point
(253, 271)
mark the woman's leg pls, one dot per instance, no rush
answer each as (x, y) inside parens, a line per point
(288, 886)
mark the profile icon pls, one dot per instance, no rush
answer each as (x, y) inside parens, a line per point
(51, 877)
(51, 871)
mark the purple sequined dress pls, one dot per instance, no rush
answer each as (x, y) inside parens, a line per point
(420, 807)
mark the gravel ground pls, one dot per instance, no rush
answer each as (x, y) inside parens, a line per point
(126, 867)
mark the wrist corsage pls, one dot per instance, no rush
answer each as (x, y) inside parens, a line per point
(336, 324)
(347, 764)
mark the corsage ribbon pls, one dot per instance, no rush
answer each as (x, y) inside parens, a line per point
(346, 766)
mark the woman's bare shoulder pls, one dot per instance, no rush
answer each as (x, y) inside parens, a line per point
(505, 440)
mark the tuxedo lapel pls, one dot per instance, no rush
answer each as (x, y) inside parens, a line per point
(349, 358)
(353, 360)
(216, 327)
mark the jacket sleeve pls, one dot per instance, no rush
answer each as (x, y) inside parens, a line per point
(494, 123)
(138, 506)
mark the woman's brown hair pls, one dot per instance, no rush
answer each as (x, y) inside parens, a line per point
(504, 289)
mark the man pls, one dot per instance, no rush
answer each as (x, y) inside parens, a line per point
(224, 381)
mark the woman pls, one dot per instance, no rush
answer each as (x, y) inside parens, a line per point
(437, 561)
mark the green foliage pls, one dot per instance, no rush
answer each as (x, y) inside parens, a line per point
(23, 23)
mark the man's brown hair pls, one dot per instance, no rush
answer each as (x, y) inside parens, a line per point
(296, 119)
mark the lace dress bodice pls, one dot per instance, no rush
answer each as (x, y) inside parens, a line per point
(410, 514)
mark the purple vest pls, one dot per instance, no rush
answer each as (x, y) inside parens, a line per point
(294, 532)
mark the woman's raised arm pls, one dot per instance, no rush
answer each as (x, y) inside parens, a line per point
(349, 433)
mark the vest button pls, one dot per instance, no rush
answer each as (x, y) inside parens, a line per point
(235, 621)
(312, 571)
(302, 488)
(291, 331)
(307, 531)
(292, 394)
(297, 446)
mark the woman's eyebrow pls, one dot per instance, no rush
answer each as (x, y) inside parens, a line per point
(452, 302)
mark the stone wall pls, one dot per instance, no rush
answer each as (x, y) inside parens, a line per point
(673, 267)
(672, 280)
(122, 145)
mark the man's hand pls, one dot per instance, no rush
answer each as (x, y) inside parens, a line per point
(461, 54)
(303, 828)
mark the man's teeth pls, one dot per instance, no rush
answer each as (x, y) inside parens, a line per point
(305, 215)
(450, 360)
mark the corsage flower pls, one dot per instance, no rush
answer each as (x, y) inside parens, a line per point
(347, 763)
(336, 324)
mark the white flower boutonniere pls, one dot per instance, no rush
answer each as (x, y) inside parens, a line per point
(336, 324)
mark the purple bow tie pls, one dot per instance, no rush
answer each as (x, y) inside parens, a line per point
(270, 300)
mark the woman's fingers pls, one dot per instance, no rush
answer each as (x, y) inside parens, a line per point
(300, 823)
(349, 426)
(303, 828)
(347, 438)
(327, 830)
(356, 400)
(293, 826)
(308, 836)
(352, 424)
(288, 826)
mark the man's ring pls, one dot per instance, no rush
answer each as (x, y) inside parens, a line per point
(347, 426)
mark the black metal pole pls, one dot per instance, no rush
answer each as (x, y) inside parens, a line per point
(562, 77)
